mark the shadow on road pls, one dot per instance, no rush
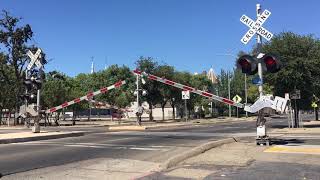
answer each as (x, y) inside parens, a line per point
(286, 141)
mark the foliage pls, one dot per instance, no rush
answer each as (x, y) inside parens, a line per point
(300, 57)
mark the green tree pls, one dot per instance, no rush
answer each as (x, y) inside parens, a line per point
(121, 97)
(149, 65)
(300, 57)
(165, 91)
(15, 40)
(200, 82)
(55, 91)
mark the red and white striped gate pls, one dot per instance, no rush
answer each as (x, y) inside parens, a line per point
(87, 96)
(188, 88)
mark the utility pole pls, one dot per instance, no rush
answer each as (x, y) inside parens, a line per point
(186, 110)
(229, 95)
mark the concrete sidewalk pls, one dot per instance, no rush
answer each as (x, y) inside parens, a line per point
(245, 160)
(29, 136)
(311, 127)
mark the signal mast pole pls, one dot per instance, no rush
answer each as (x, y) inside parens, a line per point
(259, 44)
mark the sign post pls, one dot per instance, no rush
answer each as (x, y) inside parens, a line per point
(256, 28)
(185, 96)
(35, 59)
(237, 99)
(296, 95)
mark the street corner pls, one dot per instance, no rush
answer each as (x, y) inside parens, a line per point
(29, 136)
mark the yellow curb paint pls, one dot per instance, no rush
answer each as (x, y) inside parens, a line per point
(290, 149)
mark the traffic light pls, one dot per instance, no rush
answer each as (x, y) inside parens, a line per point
(33, 82)
(271, 63)
(247, 64)
(28, 83)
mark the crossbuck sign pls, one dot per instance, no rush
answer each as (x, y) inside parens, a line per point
(34, 59)
(256, 27)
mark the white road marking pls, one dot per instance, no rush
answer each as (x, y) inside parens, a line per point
(147, 149)
(101, 146)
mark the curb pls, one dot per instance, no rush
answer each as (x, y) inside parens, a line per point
(194, 152)
(38, 138)
(126, 128)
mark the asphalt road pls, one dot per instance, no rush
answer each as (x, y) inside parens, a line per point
(154, 146)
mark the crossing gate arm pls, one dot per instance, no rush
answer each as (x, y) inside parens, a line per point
(87, 96)
(188, 88)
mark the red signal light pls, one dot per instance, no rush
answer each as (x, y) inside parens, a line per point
(271, 62)
(247, 64)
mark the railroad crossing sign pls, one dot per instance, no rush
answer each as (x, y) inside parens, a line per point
(185, 94)
(34, 59)
(256, 27)
(237, 99)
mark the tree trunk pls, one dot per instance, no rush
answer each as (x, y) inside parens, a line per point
(73, 117)
(0, 116)
(162, 107)
(173, 112)
(150, 114)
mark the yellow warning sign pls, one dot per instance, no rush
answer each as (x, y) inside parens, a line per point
(314, 105)
(237, 99)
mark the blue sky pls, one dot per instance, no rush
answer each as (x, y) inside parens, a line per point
(188, 34)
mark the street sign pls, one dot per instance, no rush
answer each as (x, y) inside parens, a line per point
(34, 59)
(237, 99)
(257, 81)
(256, 27)
(185, 94)
(295, 95)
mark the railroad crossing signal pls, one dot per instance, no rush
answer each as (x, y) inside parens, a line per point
(256, 27)
(34, 59)
(249, 64)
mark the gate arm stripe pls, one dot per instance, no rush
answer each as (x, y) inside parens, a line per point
(188, 88)
(87, 96)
